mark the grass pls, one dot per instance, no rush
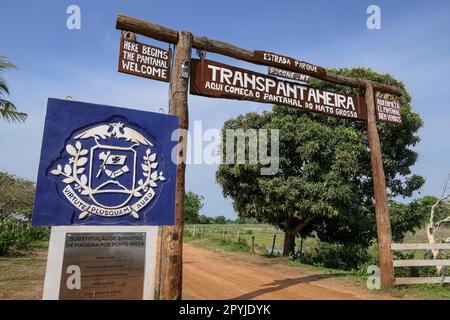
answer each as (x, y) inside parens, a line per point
(22, 274)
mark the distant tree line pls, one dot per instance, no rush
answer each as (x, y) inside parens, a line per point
(193, 207)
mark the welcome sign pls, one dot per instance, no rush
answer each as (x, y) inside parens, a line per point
(214, 79)
(103, 165)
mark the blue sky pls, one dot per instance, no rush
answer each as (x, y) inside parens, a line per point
(53, 61)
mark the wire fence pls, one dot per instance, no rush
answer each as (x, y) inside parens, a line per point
(263, 239)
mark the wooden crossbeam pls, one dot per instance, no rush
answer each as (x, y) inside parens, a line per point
(421, 263)
(420, 246)
(165, 34)
(424, 280)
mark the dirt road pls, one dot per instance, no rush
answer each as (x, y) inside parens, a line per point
(209, 274)
(214, 274)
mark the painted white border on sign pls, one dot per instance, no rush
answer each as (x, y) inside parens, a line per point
(56, 253)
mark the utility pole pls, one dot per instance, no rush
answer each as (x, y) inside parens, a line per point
(379, 186)
(172, 253)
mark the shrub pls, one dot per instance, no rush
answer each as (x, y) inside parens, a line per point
(16, 235)
(336, 256)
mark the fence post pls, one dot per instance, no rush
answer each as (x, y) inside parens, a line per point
(223, 235)
(238, 237)
(212, 234)
(273, 244)
(253, 244)
(193, 232)
(203, 232)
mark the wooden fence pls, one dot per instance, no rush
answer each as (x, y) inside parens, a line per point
(228, 234)
(421, 263)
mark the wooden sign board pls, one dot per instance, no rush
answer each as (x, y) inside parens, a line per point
(288, 63)
(219, 80)
(388, 111)
(144, 60)
(277, 72)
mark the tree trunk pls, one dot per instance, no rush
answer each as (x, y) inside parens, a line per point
(289, 243)
(435, 252)
(294, 226)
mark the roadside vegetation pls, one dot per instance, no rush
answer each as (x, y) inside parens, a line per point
(17, 237)
(348, 263)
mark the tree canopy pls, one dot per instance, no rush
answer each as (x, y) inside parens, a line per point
(324, 182)
(193, 205)
(8, 110)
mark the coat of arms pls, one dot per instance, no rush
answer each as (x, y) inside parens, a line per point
(110, 170)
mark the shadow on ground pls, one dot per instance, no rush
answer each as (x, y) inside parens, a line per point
(282, 284)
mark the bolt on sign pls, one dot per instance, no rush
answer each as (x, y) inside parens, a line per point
(144, 60)
(289, 63)
(388, 111)
(103, 165)
(214, 79)
(277, 72)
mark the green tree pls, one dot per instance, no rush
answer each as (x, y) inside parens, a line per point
(193, 205)
(220, 220)
(16, 204)
(324, 180)
(16, 195)
(8, 110)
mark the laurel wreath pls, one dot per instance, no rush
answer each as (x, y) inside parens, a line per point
(74, 171)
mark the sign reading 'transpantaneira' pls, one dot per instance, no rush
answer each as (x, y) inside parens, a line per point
(288, 63)
(388, 111)
(144, 60)
(215, 79)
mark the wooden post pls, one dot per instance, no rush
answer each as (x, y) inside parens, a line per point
(273, 244)
(381, 201)
(238, 237)
(212, 234)
(172, 277)
(253, 244)
(193, 232)
(301, 245)
(223, 235)
(203, 232)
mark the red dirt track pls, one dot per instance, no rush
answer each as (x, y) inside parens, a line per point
(212, 274)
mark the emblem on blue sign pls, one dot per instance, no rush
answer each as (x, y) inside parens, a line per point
(108, 170)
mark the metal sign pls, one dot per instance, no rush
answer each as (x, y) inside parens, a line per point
(214, 79)
(144, 60)
(277, 72)
(388, 111)
(99, 266)
(289, 63)
(103, 165)
(97, 263)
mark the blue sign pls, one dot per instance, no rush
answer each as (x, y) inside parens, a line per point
(103, 165)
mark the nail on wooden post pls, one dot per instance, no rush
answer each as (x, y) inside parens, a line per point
(383, 219)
